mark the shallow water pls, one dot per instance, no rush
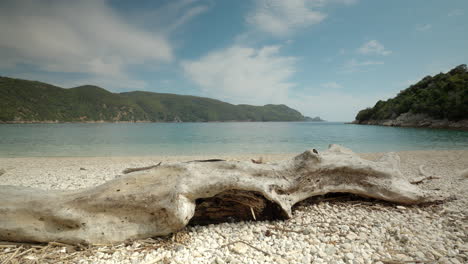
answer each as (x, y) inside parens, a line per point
(130, 139)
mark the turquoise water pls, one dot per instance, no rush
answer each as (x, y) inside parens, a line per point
(26, 140)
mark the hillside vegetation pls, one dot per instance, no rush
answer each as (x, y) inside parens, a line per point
(441, 97)
(31, 101)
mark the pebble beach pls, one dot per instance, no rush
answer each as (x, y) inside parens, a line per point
(328, 229)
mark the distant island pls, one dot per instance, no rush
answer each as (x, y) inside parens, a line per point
(439, 101)
(24, 101)
(314, 119)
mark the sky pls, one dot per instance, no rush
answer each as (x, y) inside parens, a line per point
(327, 58)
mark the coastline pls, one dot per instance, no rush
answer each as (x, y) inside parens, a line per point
(381, 123)
(143, 121)
(324, 230)
(417, 121)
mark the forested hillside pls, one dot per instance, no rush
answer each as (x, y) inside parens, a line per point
(440, 97)
(31, 101)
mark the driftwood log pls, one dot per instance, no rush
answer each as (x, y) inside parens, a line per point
(164, 199)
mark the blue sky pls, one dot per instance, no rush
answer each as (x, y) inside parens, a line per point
(327, 58)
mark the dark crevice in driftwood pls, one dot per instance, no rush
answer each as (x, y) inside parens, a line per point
(235, 206)
(129, 170)
(207, 160)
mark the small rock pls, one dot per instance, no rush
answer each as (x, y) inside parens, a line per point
(313, 249)
(179, 248)
(322, 254)
(82, 169)
(401, 257)
(420, 255)
(239, 248)
(346, 246)
(330, 250)
(218, 260)
(435, 253)
(248, 238)
(351, 236)
(349, 256)
(451, 252)
(399, 207)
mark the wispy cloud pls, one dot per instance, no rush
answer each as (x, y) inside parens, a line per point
(189, 15)
(172, 15)
(423, 27)
(374, 47)
(331, 85)
(243, 75)
(354, 65)
(281, 18)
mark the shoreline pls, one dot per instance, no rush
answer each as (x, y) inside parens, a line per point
(412, 126)
(152, 122)
(417, 121)
(240, 156)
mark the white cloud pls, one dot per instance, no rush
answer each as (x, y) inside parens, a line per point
(423, 27)
(243, 75)
(77, 36)
(374, 47)
(281, 18)
(354, 65)
(86, 37)
(259, 76)
(332, 85)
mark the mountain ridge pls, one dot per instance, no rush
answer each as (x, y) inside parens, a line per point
(25, 101)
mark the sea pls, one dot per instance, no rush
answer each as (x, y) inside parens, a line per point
(144, 139)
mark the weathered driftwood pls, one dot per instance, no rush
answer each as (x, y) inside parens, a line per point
(163, 199)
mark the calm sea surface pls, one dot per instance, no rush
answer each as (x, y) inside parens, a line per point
(29, 140)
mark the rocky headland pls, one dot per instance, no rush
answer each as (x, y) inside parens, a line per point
(439, 101)
(417, 120)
